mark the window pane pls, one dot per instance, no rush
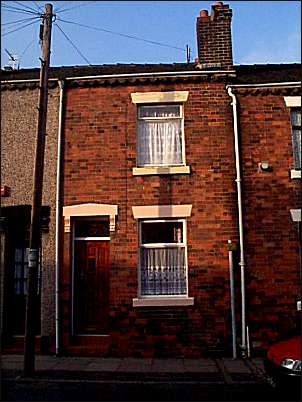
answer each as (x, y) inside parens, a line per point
(91, 228)
(296, 117)
(18, 254)
(18, 287)
(159, 111)
(297, 148)
(162, 232)
(163, 271)
(160, 143)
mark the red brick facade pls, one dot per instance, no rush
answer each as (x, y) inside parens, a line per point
(272, 244)
(100, 152)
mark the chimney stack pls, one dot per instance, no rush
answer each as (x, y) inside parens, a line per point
(214, 39)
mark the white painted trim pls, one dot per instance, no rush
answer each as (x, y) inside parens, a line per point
(168, 73)
(91, 238)
(267, 84)
(94, 335)
(163, 301)
(295, 215)
(154, 74)
(89, 209)
(72, 282)
(295, 174)
(159, 97)
(162, 211)
(292, 101)
(153, 170)
(58, 220)
(163, 245)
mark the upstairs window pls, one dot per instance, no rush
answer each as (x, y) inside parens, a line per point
(160, 135)
(296, 136)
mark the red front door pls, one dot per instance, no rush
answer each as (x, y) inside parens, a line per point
(91, 286)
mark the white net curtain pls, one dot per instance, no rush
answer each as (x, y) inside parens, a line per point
(163, 271)
(159, 136)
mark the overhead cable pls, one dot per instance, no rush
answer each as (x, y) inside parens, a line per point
(24, 5)
(74, 46)
(19, 28)
(23, 10)
(71, 8)
(61, 7)
(121, 34)
(19, 21)
(37, 5)
(26, 48)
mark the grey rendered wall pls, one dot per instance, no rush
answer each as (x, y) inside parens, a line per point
(18, 137)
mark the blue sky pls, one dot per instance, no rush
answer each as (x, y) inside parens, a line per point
(262, 31)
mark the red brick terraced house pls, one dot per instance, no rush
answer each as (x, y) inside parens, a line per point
(167, 173)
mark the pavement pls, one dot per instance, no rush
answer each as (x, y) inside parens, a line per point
(70, 378)
(106, 378)
(226, 370)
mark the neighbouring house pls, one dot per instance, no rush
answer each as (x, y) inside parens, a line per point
(19, 100)
(160, 166)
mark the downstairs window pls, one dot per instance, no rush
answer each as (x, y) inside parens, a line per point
(163, 258)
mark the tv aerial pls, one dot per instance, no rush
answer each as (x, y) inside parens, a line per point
(13, 60)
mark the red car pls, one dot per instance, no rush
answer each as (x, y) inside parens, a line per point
(283, 361)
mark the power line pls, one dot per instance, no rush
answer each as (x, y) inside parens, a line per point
(24, 5)
(26, 48)
(9, 7)
(61, 7)
(19, 21)
(37, 5)
(19, 10)
(121, 34)
(18, 29)
(75, 47)
(71, 8)
(24, 51)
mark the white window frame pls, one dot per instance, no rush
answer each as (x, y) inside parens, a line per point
(182, 245)
(166, 119)
(295, 127)
(293, 102)
(162, 213)
(164, 98)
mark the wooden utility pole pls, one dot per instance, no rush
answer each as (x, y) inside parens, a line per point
(35, 232)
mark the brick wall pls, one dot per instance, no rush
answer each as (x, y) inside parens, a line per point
(272, 247)
(100, 152)
(214, 39)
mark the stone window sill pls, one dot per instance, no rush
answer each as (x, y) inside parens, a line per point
(295, 174)
(163, 301)
(139, 171)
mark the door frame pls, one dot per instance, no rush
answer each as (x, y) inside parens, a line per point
(74, 239)
(94, 344)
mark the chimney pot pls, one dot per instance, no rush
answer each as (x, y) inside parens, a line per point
(214, 39)
(204, 13)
